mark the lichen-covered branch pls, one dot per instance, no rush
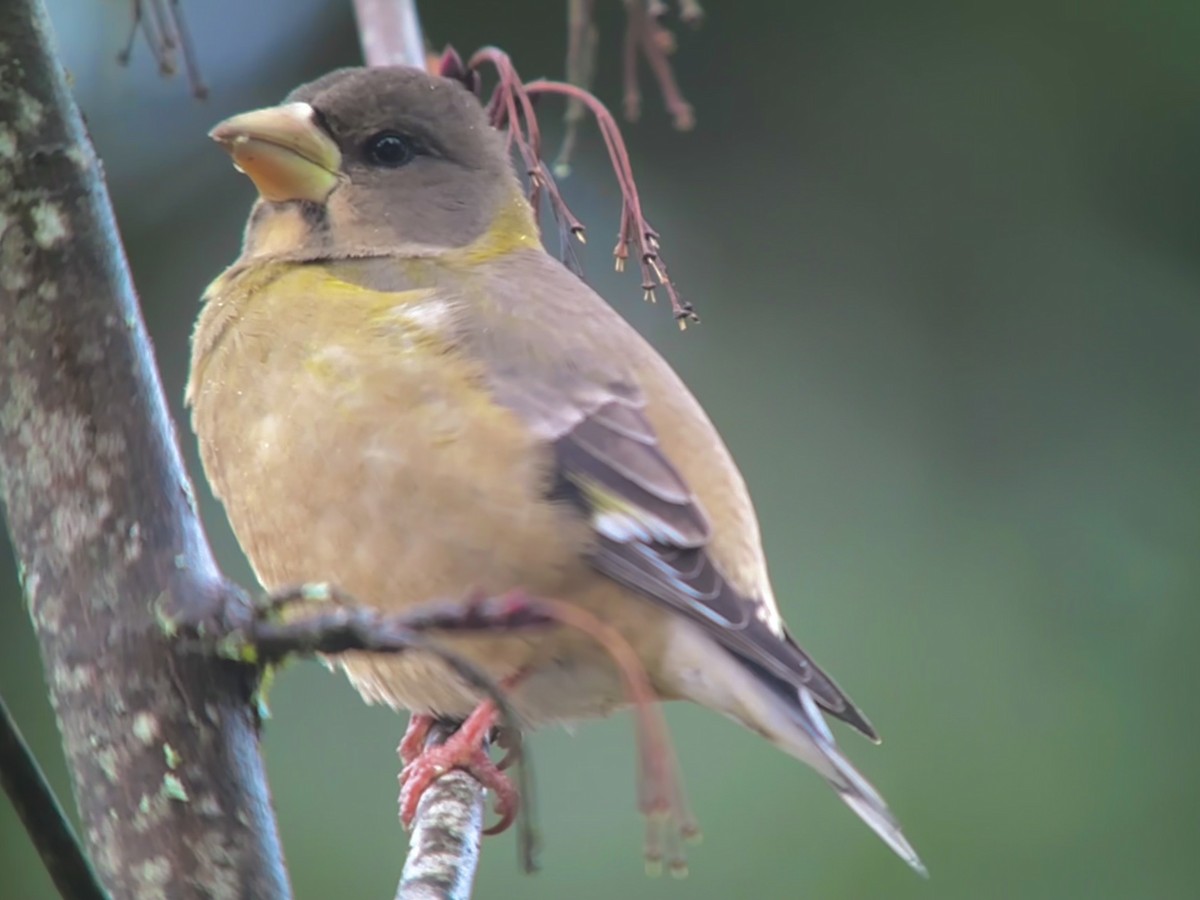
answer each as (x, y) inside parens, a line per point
(162, 746)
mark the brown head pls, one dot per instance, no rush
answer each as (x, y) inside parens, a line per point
(366, 162)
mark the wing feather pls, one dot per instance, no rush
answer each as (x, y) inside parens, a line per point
(564, 364)
(651, 536)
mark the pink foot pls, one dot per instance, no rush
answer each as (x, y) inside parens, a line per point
(466, 749)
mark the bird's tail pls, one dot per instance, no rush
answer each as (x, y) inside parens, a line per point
(784, 713)
(809, 739)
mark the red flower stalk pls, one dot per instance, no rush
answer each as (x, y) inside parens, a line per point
(511, 106)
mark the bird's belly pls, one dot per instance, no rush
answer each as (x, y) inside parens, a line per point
(400, 484)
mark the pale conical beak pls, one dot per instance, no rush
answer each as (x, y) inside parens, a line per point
(282, 149)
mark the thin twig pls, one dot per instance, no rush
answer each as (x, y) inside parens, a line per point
(43, 818)
(661, 798)
(349, 626)
(443, 849)
(582, 40)
(341, 625)
(645, 38)
(390, 32)
(164, 26)
(656, 44)
(187, 49)
(635, 22)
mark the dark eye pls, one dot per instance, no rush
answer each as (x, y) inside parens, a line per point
(390, 150)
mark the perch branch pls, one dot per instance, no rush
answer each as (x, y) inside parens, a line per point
(443, 850)
(347, 626)
(285, 624)
(317, 618)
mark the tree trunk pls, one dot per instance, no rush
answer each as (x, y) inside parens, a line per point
(162, 743)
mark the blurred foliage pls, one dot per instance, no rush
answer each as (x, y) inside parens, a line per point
(946, 258)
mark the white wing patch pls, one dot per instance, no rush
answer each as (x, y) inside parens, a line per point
(433, 314)
(766, 611)
(629, 528)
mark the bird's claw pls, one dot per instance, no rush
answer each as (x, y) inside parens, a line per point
(466, 749)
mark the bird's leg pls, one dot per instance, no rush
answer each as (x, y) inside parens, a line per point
(466, 749)
(416, 734)
(669, 823)
(661, 799)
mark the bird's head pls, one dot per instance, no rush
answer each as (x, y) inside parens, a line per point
(368, 162)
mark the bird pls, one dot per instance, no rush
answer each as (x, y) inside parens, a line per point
(396, 389)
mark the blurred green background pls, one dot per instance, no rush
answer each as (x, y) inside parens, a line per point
(947, 260)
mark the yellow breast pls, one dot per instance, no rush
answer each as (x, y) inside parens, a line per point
(351, 443)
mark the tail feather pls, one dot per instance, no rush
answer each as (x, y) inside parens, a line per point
(790, 717)
(855, 791)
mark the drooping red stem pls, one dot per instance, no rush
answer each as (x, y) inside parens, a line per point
(635, 229)
(510, 107)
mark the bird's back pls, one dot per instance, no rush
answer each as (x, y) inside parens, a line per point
(565, 337)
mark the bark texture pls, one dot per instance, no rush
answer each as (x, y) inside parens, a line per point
(162, 743)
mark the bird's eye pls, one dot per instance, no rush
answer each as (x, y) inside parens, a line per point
(390, 150)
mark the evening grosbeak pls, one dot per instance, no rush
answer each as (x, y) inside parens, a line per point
(398, 391)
